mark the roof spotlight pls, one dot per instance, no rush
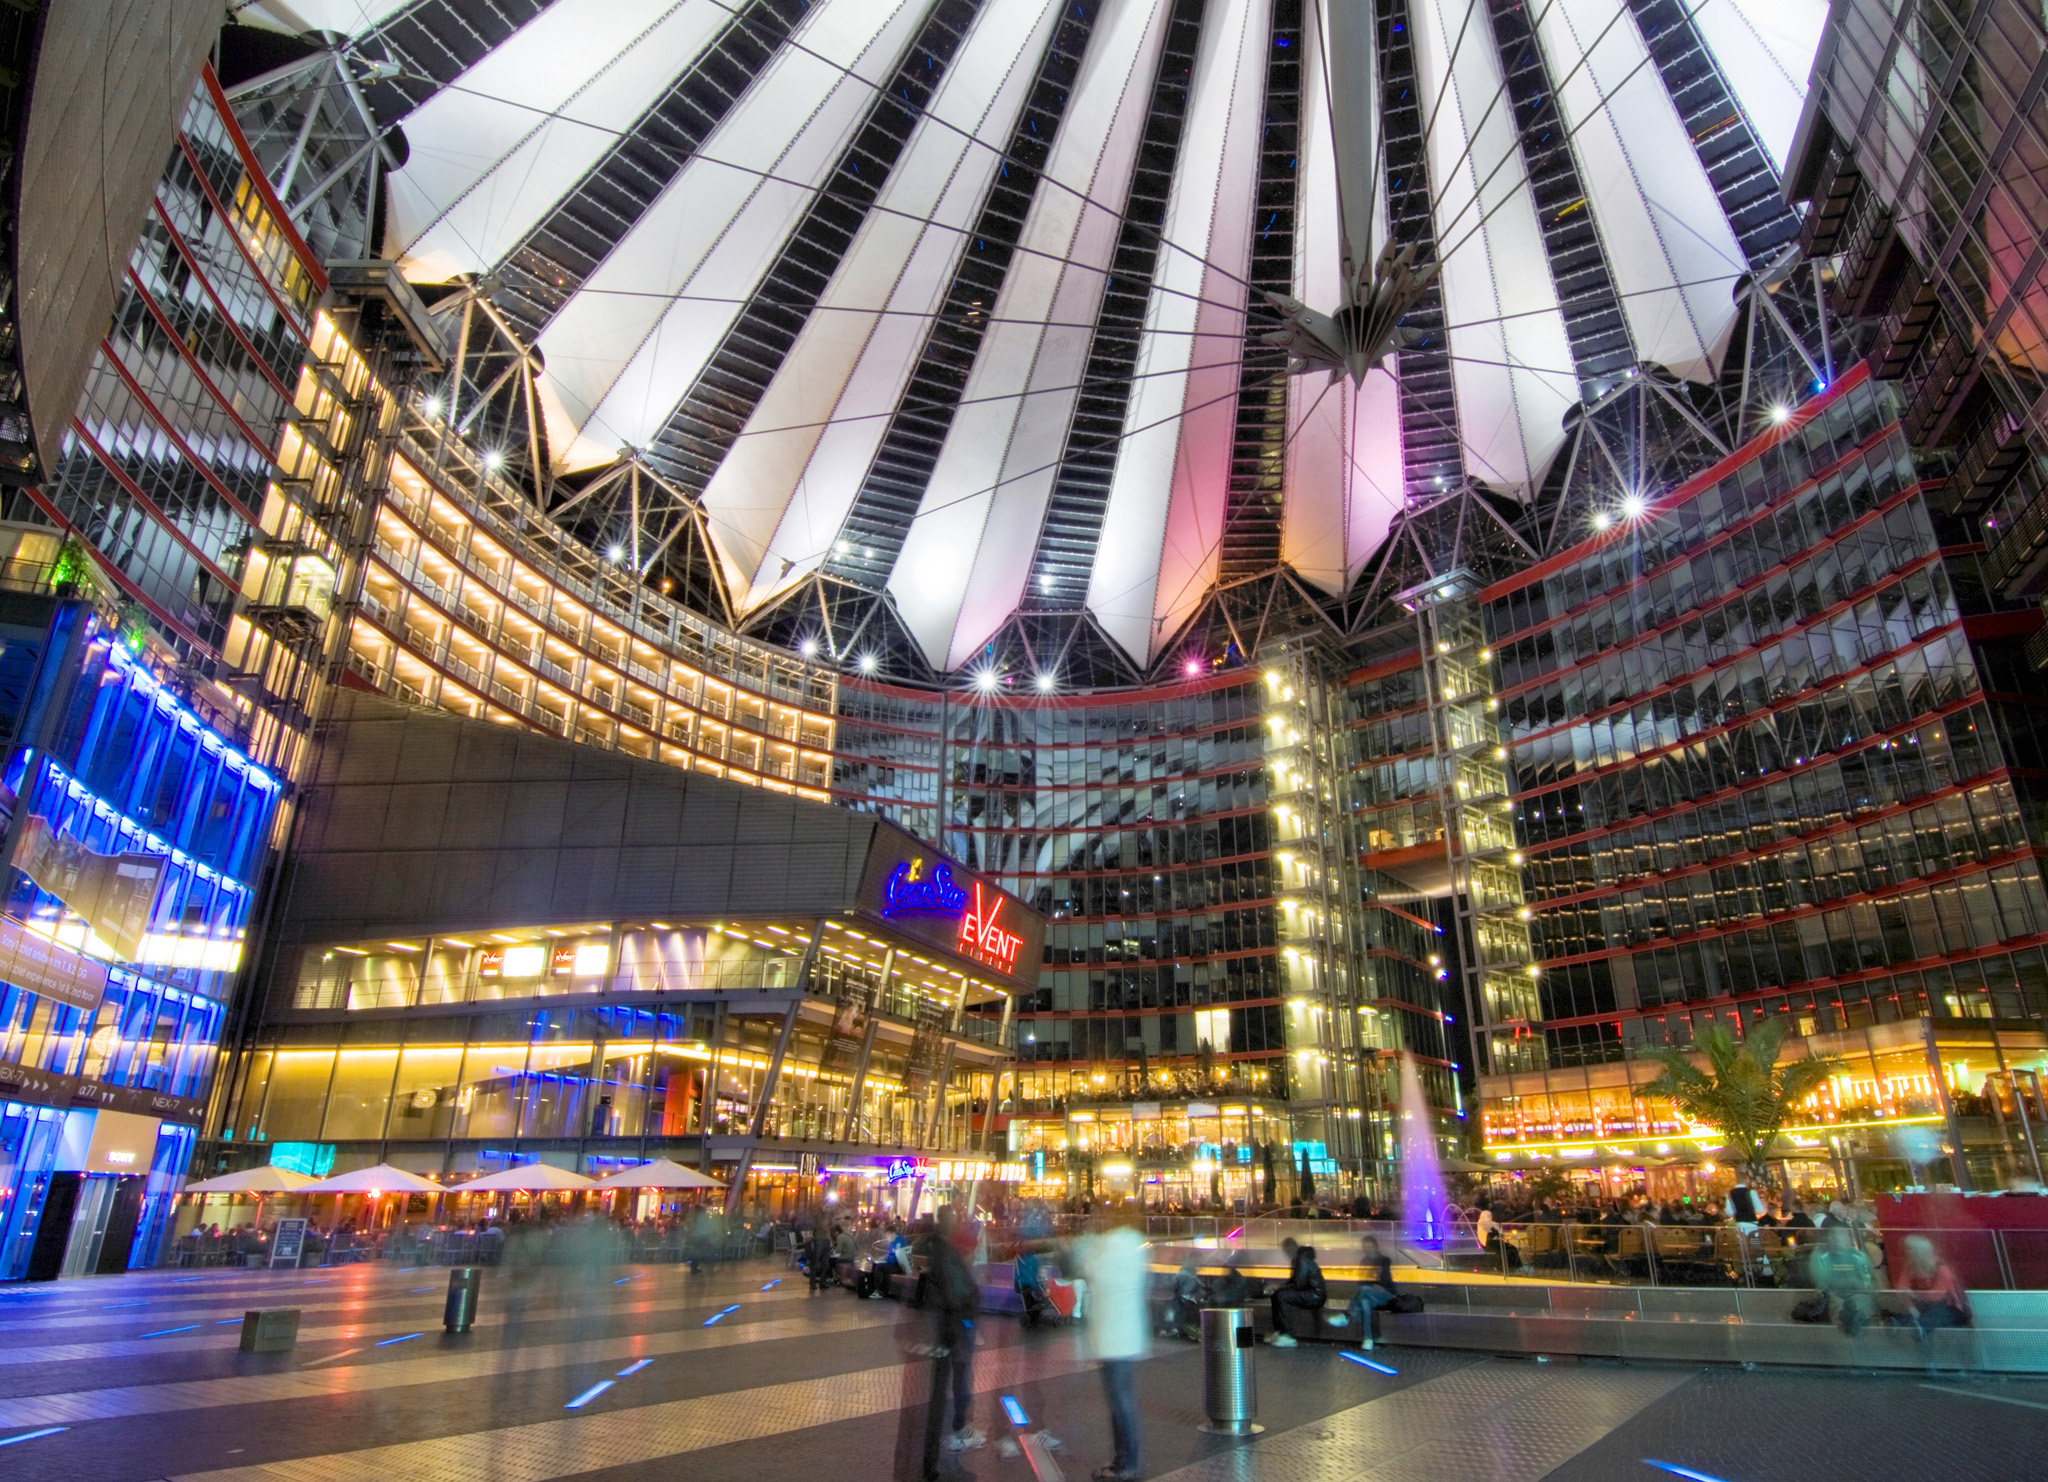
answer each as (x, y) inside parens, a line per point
(616, 553)
(1046, 683)
(869, 663)
(808, 648)
(494, 460)
(1192, 668)
(1600, 521)
(985, 680)
(1634, 506)
(1780, 412)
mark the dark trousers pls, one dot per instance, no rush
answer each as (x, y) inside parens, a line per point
(956, 1337)
(1286, 1300)
(1117, 1375)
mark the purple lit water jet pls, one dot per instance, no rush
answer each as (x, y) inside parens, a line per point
(1422, 1177)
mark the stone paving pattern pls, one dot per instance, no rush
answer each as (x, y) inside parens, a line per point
(143, 1373)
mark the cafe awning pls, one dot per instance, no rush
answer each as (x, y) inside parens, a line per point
(533, 1178)
(381, 1178)
(660, 1174)
(268, 1179)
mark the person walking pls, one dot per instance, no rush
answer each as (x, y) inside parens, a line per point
(955, 1300)
(1115, 1336)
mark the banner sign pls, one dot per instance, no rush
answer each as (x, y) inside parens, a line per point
(50, 969)
(113, 892)
(940, 903)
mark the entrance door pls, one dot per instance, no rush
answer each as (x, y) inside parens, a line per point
(88, 1224)
(53, 1230)
(123, 1213)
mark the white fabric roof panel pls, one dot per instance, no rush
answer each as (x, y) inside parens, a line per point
(1512, 360)
(1342, 474)
(967, 555)
(851, 364)
(625, 350)
(1765, 49)
(493, 153)
(1164, 523)
(1673, 256)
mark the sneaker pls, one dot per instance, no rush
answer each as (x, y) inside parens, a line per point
(1366, 1344)
(1339, 1322)
(1052, 1442)
(967, 1440)
(1285, 1340)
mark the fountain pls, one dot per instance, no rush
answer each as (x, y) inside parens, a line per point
(1422, 1178)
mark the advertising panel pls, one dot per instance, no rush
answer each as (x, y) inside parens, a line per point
(935, 900)
(113, 892)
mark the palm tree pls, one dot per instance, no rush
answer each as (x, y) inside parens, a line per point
(1742, 1092)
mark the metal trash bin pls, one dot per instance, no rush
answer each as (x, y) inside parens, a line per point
(272, 1330)
(1229, 1386)
(460, 1313)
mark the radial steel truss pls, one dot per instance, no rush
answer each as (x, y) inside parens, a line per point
(1637, 437)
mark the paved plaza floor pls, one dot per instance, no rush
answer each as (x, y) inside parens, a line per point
(734, 1374)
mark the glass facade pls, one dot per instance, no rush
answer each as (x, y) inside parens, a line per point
(1212, 950)
(139, 839)
(1772, 756)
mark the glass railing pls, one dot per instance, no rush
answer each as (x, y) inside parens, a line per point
(1719, 1255)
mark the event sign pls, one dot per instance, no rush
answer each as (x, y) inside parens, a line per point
(939, 902)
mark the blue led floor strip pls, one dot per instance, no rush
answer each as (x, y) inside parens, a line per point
(772, 1285)
(717, 1315)
(590, 1394)
(407, 1338)
(1015, 1411)
(1359, 1358)
(634, 1368)
(164, 1332)
(1678, 1471)
(48, 1430)
(112, 1305)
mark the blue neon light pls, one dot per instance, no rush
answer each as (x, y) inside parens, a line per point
(48, 1430)
(590, 1394)
(910, 892)
(1678, 1471)
(634, 1368)
(1015, 1411)
(1359, 1358)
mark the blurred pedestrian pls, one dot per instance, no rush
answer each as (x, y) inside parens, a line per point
(1115, 1337)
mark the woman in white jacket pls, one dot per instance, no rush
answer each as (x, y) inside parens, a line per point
(1115, 1335)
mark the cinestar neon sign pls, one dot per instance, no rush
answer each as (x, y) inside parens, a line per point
(911, 890)
(982, 936)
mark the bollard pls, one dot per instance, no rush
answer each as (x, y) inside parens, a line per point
(463, 1282)
(271, 1330)
(1229, 1387)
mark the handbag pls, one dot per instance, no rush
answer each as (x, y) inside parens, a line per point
(1811, 1308)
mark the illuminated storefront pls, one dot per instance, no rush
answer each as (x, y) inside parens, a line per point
(776, 1014)
(137, 838)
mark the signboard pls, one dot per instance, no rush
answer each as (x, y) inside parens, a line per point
(141, 1101)
(806, 1165)
(113, 892)
(934, 900)
(49, 969)
(121, 1143)
(287, 1241)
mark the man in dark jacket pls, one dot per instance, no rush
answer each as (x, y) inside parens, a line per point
(1303, 1290)
(955, 1299)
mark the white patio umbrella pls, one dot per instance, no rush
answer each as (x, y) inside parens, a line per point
(660, 1174)
(379, 1179)
(533, 1178)
(264, 1180)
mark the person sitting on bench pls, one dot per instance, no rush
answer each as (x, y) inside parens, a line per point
(1303, 1291)
(1375, 1292)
